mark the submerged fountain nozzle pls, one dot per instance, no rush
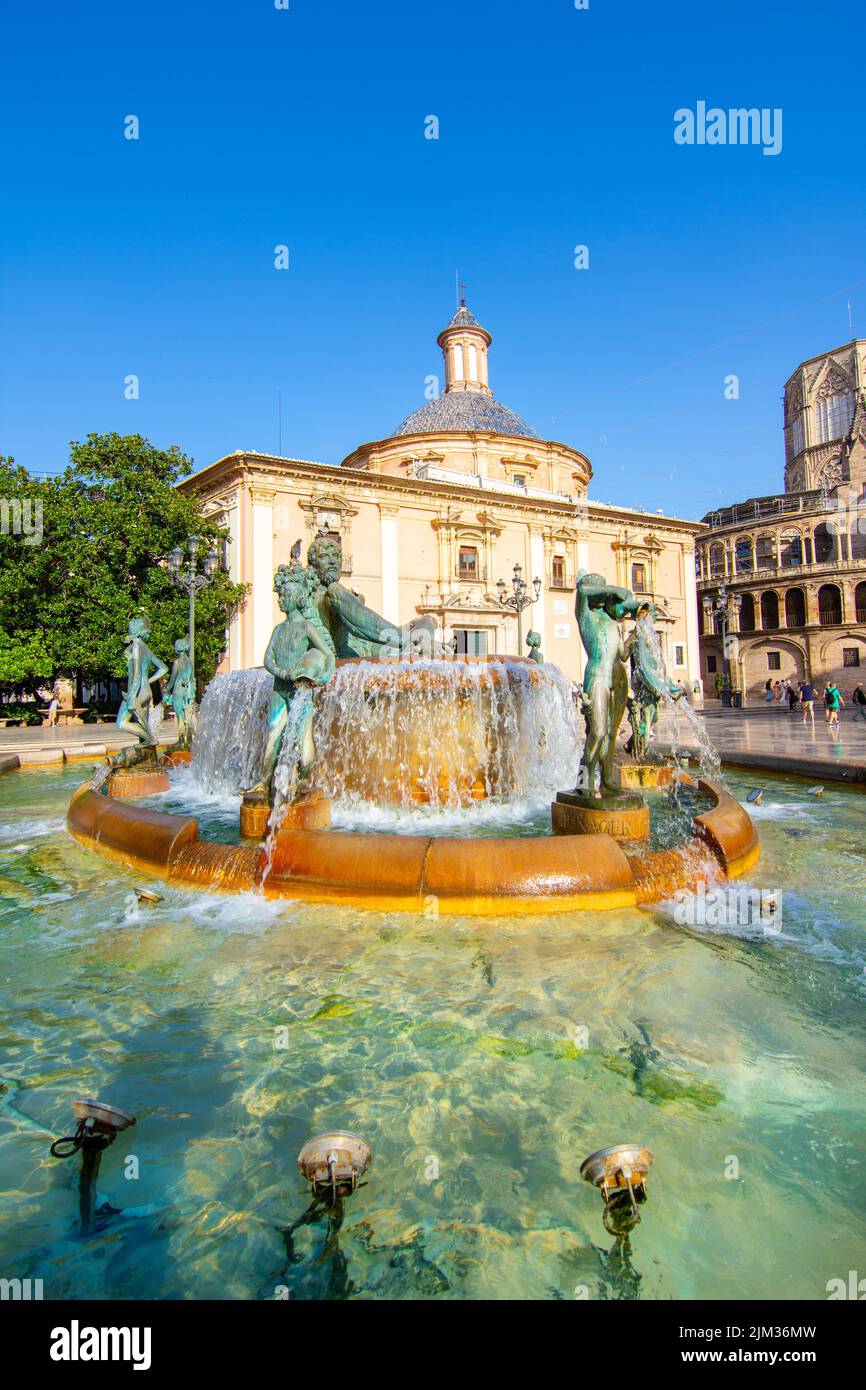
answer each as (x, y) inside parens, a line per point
(98, 1124)
(332, 1163)
(620, 1175)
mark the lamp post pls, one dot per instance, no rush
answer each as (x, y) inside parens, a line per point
(519, 599)
(186, 576)
(718, 612)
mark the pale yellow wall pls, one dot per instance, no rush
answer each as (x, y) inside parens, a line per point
(270, 504)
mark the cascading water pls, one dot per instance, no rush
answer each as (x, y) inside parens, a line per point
(681, 714)
(404, 733)
(445, 733)
(288, 764)
(232, 729)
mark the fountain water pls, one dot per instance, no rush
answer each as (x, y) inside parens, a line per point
(404, 733)
(229, 743)
(680, 713)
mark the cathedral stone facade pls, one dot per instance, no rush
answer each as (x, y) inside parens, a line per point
(794, 564)
(433, 515)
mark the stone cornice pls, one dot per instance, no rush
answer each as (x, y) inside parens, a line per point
(269, 470)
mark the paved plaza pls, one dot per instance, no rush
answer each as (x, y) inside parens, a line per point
(25, 747)
(775, 740)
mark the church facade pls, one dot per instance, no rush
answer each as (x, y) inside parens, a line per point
(433, 518)
(793, 565)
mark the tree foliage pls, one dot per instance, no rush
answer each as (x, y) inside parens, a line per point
(109, 521)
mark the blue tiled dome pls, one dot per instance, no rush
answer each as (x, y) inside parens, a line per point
(465, 410)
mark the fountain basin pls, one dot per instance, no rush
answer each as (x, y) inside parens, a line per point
(420, 873)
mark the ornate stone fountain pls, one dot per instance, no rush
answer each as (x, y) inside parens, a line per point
(351, 707)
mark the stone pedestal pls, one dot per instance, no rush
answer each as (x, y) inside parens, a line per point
(624, 817)
(313, 813)
(145, 780)
(644, 775)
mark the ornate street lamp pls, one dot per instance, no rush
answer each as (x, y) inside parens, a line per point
(187, 577)
(518, 600)
(718, 612)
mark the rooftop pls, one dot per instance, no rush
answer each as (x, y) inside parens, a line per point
(462, 411)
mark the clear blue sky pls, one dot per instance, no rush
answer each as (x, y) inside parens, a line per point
(306, 127)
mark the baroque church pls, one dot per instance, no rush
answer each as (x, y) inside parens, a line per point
(434, 518)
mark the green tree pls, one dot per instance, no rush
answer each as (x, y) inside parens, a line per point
(108, 521)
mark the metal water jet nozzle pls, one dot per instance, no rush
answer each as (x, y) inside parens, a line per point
(98, 1125)
(620, 1175)
(332, 1163)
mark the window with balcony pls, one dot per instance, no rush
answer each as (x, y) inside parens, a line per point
(791, 549)
(765, 553)
(557, 572)
(826, 544)
(769, 610)
(829, 605)
(860, 602)
(717, 560)
(795, 608)
(638, 579)
(467, 563)
(744, 558)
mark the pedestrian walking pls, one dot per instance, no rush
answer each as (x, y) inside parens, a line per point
(807, 700)
(834, 702)
(858, 700)
(768, 692)
(792, 695)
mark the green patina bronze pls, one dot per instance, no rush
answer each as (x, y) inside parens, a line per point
(649, 684)
(533, 642)
(142, 667)
(356, 630)
(600, 609)
(300, 656)
(180, 691)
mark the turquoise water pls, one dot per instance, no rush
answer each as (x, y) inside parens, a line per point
(482, 1059)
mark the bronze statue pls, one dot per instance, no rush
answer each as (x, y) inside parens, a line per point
(533, 642)
(180, 691)
(300, 656)
(355, 629)
(600, 609)
(142, 667)
(649, 684)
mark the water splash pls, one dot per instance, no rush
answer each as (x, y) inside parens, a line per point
(687, 730)
(404, 733)
(288, 768)
(445, 733)
(229, 743)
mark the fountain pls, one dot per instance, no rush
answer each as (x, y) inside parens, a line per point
(354, 712)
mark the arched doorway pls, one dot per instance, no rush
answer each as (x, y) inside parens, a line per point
(826, 544)
(829, 605)
(860, 602)
(747, 614)
(769, 610)
(795, 608)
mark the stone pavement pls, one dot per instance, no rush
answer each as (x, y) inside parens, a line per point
(772, 739)
(31, 747)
